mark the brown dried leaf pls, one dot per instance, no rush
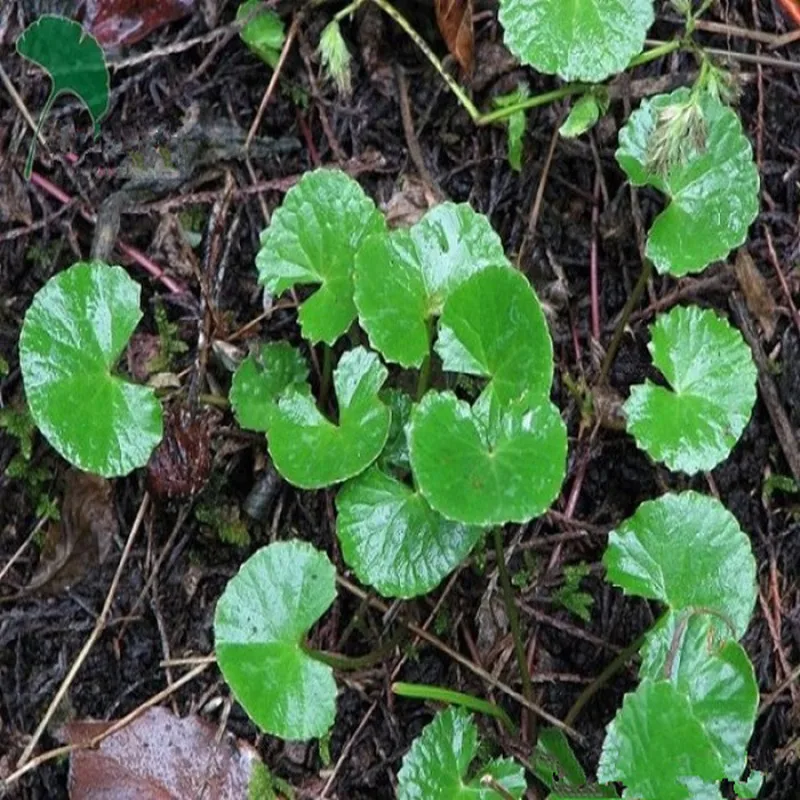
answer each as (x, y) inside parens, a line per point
(118, 22)
(181, 464)
(158, 757)
(82, 540)
(408, 204)
(756, 292)
(454, 18)
(15, 204)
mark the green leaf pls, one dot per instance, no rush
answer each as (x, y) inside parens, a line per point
(661, 550)
(517, 124)
(694, 424)
(394, 455)
(751, 787)
(73, 335)
(718, 680)
(75, 63)
(584, 115)
(658, 749)
(313, 239)
(259, 626)
(579, 40)
(570, 596)
(436, 766)
(493, 326)
(308, 449)
(403, 278)
(693, 149)
(554, 762)
(262, 378)
(393, 540)
(335, 56)
(481, 476)
(263, 34)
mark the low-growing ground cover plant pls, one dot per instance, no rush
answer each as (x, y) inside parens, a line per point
(432, 420)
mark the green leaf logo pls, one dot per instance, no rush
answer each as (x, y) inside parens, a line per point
(75, 63)
(74, 333)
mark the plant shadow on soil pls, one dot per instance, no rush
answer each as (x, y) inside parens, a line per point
(40, 636)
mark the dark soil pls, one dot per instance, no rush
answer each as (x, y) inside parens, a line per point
(307, 123)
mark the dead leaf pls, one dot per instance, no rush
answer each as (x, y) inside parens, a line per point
(756, 292)
(454, 18)
(408, 204)
(118, 22)
(158, 757)
(181, 464)
(15, 204)
(82, 540)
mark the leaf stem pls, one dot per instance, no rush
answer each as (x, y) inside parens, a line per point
(325, 380)
(32, 150)
(425, 370)
(633, 299)
(602, 679)
(516, 632)
(344, 663)
(452, 84)
(423, 691)
(350, 8)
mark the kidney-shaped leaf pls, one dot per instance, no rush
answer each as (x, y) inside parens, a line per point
(308, 449)
(73, 335)
(481, 476)
(580, 40)
(661, 550)
(694, 424)
(718, 679)
(259, 625)
(712, 185)
(494, 326)
(262, 378)
(403, 278)
(313, 239)
(75, 63)
(436, 766)
(658, 748)
(394, 540)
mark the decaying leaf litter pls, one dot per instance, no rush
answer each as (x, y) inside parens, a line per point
(609, 477)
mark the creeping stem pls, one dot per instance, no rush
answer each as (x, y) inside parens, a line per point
(350, 663)
(422, 691)
(513, 620)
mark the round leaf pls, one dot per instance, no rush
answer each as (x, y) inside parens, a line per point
(658, 749)
(73, 335)
(510, 472)
(264, 33)
(308, 449)
(712, 189)
(72, 58)
(259, 625)
(580, 40)
(261, 379)
(403, 278)
(313, 239)
(394, 540)
(436, 766)
(693, 425)
(494, 326)
(662, 549)
(718, 680)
